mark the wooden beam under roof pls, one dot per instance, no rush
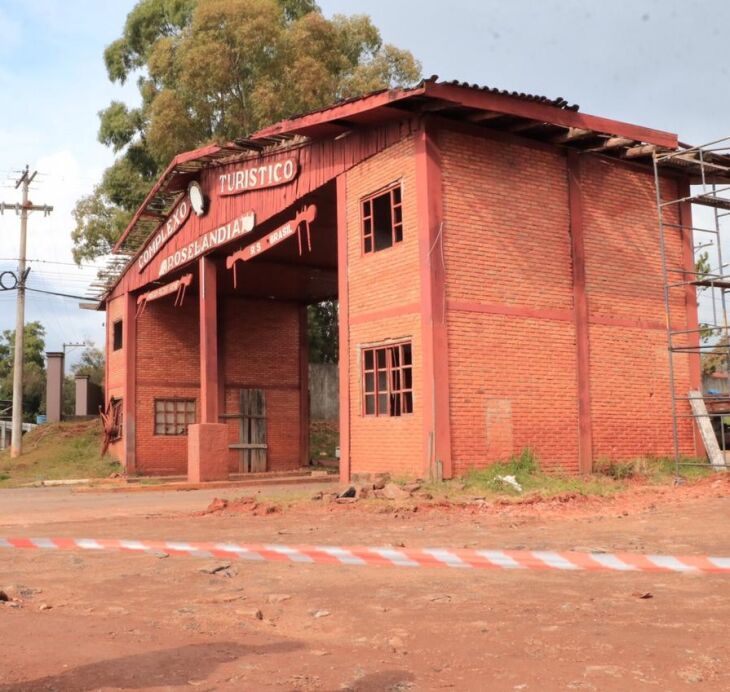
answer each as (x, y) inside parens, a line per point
(640, 150)
(525, 126)
(435, 106)
(483, 116)
(573, 134)
(612, 143)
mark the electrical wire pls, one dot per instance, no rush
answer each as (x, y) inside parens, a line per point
(55, 293)
(44, 261)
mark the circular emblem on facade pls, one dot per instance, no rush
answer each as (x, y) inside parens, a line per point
(198, 202)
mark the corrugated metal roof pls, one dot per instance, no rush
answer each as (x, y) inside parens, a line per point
(558, 102)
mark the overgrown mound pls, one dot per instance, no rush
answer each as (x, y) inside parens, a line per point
(58, 451)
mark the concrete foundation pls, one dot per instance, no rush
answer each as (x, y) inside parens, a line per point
(207, 452)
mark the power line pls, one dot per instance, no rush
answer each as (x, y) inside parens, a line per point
(54, 293)
(45, 261)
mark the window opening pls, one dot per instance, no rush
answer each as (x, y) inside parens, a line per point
(382, 220)
(117, 340)
(388, 380)
(172, 416)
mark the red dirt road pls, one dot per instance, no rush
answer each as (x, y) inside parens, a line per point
(138, 622)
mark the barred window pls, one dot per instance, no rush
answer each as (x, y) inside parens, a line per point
(382, 220)
(387, 373)
(172, 416)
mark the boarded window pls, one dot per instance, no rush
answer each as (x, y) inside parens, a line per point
(382, 220)
(117, 342)
(172, 416)
(387, 376)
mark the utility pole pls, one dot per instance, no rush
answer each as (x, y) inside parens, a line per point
(16, 442)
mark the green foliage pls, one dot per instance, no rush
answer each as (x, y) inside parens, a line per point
(717, 359)
(535, 482)
(213, 70)
(324, 437)
(68, 401)
(91, 364)
(323, 332)
(523, 467)
(34, 369)
(707, 332)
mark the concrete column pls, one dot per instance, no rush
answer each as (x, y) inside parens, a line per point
(54, 386)
(81, 407)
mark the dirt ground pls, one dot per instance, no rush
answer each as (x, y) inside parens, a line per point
(142, 622)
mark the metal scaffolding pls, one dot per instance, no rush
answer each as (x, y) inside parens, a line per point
(707, 281)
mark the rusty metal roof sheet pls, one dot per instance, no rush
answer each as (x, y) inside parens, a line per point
(558, 102)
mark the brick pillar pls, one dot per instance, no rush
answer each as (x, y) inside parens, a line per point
(344, 326)
(436, 415)
(303, 387)
(129, 399)
(581, 314)
(208, 440)
(54, 386)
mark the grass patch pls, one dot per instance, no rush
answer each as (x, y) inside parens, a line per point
(58, 451)
(610, 477)
(324, 436)
(654, 469)
(526, 471)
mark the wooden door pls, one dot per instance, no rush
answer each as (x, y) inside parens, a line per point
(253, 446)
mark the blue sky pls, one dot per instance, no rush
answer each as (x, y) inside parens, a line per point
(659, 63)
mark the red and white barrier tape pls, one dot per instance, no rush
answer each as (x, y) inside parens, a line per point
(394, 557)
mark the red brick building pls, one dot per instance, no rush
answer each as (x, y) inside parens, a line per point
(497, 264)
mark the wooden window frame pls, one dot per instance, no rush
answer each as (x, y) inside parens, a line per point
(395, 399)
(117, 329)
(117, 416)
(185, 412)
(367, 226)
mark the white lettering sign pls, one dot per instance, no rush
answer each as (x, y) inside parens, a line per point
(258, 177)
(219, 236)
(164, 232)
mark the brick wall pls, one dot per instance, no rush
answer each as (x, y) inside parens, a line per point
(512, 363)
(168, 367)
(512, 351)
(261, 351)
(630, 387)
(259, 348)
(384, 295)
(115, 367)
